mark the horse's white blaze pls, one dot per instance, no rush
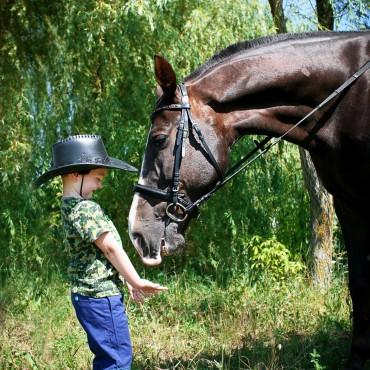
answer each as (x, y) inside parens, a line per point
(135, 203)
(131, 226)
(132, 216)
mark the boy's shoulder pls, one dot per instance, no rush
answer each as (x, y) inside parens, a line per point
(76, 207)
(87, 204)
(86, 217)
(88, 208)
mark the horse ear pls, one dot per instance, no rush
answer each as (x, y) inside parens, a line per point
(165, 75)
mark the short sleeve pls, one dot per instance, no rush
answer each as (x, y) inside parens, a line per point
(89, 220)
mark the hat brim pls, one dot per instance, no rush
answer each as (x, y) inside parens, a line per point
(113, 163)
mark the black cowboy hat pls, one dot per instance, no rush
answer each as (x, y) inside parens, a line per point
(79, 153)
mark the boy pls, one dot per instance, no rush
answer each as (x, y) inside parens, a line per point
(97, 256)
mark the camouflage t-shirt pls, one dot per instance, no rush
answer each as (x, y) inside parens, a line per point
(90, 273)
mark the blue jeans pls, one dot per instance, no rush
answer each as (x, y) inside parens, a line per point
(105, 323)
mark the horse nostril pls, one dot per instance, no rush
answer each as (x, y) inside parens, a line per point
(140, 244)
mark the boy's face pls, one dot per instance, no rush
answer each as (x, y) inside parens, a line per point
(93, 181)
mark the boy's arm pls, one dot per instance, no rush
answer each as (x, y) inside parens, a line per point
(113, 251)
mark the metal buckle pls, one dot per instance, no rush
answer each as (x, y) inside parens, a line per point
(171, 208)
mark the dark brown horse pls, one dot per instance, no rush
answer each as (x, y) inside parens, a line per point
(263, 87)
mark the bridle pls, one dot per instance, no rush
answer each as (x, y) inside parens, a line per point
(179, 206)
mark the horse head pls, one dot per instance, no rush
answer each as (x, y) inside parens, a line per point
(175, 157)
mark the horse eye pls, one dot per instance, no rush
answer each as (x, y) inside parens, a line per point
(159, 141)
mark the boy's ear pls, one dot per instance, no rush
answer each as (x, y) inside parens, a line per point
(74, 176)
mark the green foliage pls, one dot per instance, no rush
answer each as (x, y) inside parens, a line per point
(315, 359)
(268, 200)
(274, 257)
(86, 67)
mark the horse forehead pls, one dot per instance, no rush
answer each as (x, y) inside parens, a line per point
(165, 120)
(159, 124)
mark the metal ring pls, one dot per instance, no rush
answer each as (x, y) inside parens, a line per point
(174, 218)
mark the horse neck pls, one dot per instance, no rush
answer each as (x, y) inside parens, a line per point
(267, 89)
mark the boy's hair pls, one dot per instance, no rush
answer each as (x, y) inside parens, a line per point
(83, 172)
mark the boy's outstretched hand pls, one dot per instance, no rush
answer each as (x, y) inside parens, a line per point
(135, 294)
(146, 289)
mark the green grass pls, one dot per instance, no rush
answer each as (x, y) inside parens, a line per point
(196, 325)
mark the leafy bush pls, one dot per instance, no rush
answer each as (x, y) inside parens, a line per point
(272, 257)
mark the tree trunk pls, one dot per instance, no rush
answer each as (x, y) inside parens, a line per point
(321, 209)
(325, 14)
(277, 12)
(321, 224)
(321, 203)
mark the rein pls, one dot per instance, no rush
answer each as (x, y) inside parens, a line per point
(179, 206)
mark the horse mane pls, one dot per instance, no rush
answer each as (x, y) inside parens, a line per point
(240, 47)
